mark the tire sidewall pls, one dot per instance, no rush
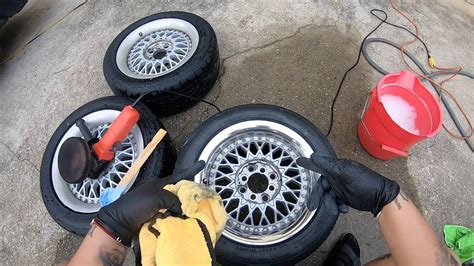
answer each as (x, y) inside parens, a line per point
(118, 81)
(307, 239)
(70, 220)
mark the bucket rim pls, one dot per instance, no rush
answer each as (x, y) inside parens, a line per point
(434, 129)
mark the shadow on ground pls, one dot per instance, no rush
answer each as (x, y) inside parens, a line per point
(26, 24)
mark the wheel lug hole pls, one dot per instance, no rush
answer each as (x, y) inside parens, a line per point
(273, 176)
(242, 189)
(159, 54)
(265, 197)
(251, 168)
(272, 188)
(262, 170)
(244, 178)
(253, 197)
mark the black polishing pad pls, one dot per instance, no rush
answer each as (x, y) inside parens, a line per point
(74, 160)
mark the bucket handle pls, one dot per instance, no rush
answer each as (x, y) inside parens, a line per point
(365, 107)
(383, 146)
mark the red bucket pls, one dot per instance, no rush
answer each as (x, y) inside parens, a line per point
(401, 112)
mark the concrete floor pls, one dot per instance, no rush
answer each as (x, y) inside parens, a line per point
(287, 53)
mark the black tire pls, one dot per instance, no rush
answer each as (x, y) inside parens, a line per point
(305, 241)
(194, 78)
(159, 164)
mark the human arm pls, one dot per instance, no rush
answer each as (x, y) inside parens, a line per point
(118, 223)
(98, 248)
(410, 238)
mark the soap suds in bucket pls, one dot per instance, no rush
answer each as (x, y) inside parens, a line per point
(401, 112)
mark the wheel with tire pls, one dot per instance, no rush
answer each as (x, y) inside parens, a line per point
(73, 206)
(250, 153)
(169, 54)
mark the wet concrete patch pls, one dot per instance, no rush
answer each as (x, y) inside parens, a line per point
(299, 73)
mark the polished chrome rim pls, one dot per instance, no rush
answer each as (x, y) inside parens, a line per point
(157, 48)
(252, 165)
(84, 197)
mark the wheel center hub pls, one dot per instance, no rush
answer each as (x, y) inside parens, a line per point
(257, 183)
(158, 50)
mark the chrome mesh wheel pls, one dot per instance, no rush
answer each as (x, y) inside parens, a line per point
(159, 52)
(252, 165)
(84, 197)
(157, 48)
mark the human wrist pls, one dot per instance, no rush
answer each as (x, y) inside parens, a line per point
(385, 207)
(390, 193)
(400, 202)
(123, 239)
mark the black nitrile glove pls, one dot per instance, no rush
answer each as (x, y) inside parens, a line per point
(124, 217)
(323, 195)
(353, 183)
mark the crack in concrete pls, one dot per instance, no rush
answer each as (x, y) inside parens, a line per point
(298, 31)
(62, 70)
(19, 158)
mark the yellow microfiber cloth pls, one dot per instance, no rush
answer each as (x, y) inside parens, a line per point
(183, 241)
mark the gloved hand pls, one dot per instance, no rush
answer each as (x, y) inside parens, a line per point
(124, 217)
(352, 182)
(323, 195)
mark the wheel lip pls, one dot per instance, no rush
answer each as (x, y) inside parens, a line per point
(60, 187)
(133, 37)
(307, 150)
